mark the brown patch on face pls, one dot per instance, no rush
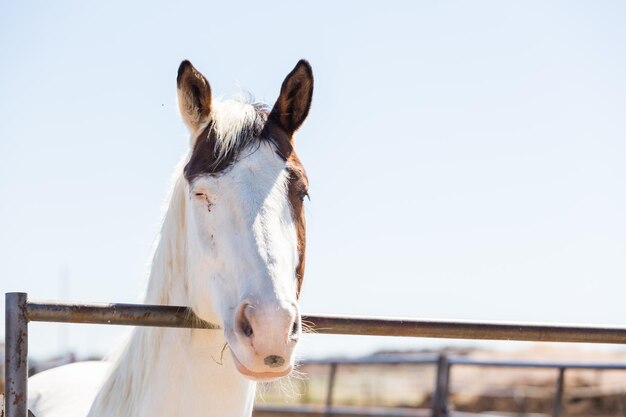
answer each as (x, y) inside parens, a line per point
(287, 115)
(203, 158)
(297, 190)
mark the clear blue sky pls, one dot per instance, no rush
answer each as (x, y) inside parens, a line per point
(466, 159)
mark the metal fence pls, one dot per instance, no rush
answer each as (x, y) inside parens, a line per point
(442, 381)
(20, 311)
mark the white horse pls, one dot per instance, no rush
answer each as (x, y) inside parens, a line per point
(232, 248)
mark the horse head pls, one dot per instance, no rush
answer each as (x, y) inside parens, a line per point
(244, 218)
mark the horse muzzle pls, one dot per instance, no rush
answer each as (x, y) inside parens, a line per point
(263, 339)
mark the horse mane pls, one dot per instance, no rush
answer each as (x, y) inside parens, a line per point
(131, 370)
(169, 259)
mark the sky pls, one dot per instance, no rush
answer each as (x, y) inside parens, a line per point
(466, 159)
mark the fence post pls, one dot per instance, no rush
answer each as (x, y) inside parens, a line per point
(331, 386)
(557, 405)
(440, 396)
(16, 355)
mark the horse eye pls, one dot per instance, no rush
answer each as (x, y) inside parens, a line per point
(199, 194)
(305, 194)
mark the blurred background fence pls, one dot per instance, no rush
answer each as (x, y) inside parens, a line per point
(390, 392)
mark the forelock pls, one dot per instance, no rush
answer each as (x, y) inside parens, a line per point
(235, 125)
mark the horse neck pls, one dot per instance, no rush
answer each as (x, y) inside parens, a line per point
(165, 372)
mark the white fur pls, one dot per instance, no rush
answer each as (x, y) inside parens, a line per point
(243, 250)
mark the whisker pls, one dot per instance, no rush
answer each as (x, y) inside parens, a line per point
(221, 361)
(308, 327)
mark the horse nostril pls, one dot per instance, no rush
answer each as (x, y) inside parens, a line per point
(244, 323)
(295, 328)
(274, 361)
(247, 329)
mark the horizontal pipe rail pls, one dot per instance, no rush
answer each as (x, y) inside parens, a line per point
(376, 360)
(428, 359)
(603, 366)
(173, 316)
(463, 329)
(119, 314)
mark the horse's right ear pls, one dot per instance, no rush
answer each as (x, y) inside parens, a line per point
(194, 96)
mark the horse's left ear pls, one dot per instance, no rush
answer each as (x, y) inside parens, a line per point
(294, 101)
(194, 96)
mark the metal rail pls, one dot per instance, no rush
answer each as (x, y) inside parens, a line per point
(118, 314)
(176, 316)
(431, 359)
(465, 329)
(19, 311)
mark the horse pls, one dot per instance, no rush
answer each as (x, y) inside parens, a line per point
(232, 248)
